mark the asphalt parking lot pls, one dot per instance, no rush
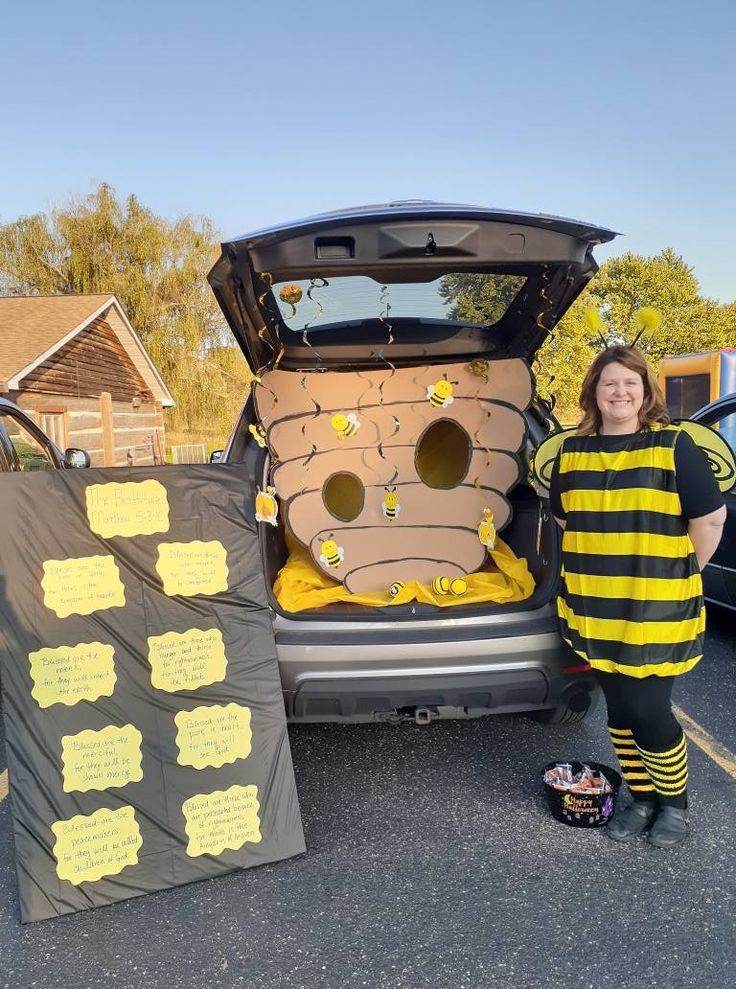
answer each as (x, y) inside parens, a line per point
(433, 862)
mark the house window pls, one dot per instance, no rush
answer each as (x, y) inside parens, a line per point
(52, 423)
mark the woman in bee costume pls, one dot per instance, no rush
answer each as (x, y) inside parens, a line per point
(642, 514)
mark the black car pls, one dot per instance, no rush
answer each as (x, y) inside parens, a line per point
(25, 447)
(719, 577)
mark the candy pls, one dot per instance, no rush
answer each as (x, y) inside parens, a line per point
(587, 780)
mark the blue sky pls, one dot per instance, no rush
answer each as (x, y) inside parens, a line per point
(622, 114)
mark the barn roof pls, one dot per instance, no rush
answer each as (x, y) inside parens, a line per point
(33, 328)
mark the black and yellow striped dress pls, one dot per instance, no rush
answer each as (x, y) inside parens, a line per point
(632, 595)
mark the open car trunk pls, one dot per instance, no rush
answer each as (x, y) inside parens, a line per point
(520, 535)
(393, 396)
(531, 534)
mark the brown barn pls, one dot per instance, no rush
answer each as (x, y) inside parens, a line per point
(77, 366)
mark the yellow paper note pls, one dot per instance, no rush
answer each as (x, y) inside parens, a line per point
(102, 844)
(134, 508)
(186, 660)
(96, 760)
(82, 585)
(222, 819)
(213, 735)
(69, 674)
(192, 568)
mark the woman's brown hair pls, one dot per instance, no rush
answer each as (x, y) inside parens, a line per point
(653, 408)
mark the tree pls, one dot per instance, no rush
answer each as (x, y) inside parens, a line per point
(478, 298)
(690, 322)
(157, 269)
(563, 359)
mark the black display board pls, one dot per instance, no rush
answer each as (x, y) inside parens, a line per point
(145, 730)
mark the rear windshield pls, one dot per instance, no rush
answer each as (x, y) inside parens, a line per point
(474, 299)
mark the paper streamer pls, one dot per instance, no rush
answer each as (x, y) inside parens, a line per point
(536, 366)
(267, 279)
(383, 317)
(319, 309)
(480, 369)
(317, 411)
(385, 309)
(371, 384)
(384, 457)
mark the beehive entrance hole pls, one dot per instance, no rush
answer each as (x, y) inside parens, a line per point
(443, 454)
(343, 496)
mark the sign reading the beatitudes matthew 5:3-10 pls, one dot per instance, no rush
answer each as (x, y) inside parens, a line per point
(143, 709)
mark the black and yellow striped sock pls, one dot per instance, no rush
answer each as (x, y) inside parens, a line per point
(668, 772)
(632, 768)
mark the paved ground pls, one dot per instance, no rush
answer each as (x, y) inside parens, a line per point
(432, 863)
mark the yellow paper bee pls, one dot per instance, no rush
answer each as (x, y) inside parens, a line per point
(441, 585)
(447, 585)
(390, 505)
(332, 555)
(440, 394)
(396, 588)
(258, 433)
(267, 508)
(345, 425)
(487, 530)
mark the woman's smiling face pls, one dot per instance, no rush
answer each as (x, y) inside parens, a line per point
(619, 395)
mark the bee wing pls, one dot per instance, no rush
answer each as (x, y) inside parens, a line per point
(352, 418)
(341, 552)
(448, 401)
(544, 457)
(323, 559)
(719, 453)
(430, 391)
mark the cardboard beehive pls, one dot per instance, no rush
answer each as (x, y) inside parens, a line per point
(385, 475)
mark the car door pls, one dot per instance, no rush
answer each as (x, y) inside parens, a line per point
(720, 574)
(30, 449)
(8, 459)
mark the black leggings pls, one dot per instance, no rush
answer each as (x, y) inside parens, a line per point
(648, 740)
(644, 706)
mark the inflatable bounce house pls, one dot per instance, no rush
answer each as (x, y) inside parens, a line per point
(691, 381)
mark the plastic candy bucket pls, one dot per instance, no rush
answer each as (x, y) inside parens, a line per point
(583, 810)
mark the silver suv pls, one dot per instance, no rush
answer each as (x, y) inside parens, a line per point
(411, 285)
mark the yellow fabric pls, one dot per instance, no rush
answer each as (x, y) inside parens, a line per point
(626, 544)
(300, 585)
(602, 460)
(623, 500)
(648, 669)
(635, 588)
(633, 633)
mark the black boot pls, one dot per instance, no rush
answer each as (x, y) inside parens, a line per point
(669, 829)
(628, 822)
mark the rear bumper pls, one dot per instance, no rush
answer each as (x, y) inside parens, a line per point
(339, 673)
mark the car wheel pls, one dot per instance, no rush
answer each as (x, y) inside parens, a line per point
(571, 710)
